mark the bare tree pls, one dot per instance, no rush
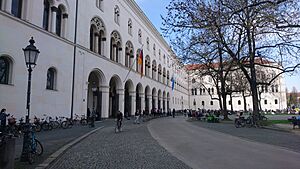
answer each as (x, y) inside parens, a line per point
(249, 33)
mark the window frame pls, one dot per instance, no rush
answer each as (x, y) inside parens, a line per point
(51, 83)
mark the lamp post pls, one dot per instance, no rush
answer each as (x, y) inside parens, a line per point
(31, 54)
(95, 90)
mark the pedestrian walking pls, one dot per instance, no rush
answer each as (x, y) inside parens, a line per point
(137, 117)
(173, 113)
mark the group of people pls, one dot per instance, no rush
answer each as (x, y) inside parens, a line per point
(201, 113)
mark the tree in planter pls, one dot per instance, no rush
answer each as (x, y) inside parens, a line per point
(246, 30)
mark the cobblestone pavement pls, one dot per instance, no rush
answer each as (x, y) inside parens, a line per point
(52, 141)
(132, 148)
(274, 137)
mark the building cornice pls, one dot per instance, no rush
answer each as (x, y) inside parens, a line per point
(138, 11)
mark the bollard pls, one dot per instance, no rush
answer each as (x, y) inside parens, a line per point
(7, 153)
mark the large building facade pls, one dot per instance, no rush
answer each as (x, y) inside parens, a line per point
(89, 58)
(203, 91)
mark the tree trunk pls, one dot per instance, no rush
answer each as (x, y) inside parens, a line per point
(245, 102)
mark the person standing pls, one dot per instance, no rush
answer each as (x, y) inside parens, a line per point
(3, 116)
(93, 116)
(173, 113)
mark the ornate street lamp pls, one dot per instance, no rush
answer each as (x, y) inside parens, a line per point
(95, 90)
(31, 54)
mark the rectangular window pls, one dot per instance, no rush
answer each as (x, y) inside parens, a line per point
(196, 91)
(229, 102)
(211, 103)
(266, 101)
(16, 8)
(276, 101)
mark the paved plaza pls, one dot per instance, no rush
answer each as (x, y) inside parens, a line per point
(132, 148)
(170, 143)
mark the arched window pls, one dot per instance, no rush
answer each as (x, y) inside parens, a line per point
(59, 20)
(138, 66)
(148, 43)
(239, 102)
(168, 78)
(5, 70)
(140, 36)
(276, 101)
(92, 37)
(16, 8)
(159, 73)
(129, 54)
(117, 15)
(211, 103)
(51, 79)
(46, 15)
(147, 65)
(164, 75)
(115, 46)
(154, 69)
(97, 36)
(129, 27)
(159, 54)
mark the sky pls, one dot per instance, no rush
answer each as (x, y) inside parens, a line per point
(154, 9)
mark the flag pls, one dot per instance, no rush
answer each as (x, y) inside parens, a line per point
(173, 82)
(140, 61)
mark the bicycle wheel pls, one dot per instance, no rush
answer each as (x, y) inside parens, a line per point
(83, 122)
(64, 124)
(38, 128)
(54, 124)
(38, 147)
(46, 126)
(30, 157)
(237, 124)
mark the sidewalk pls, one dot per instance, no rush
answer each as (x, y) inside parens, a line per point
(53, 141)
(284, 127)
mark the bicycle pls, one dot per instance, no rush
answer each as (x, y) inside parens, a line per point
(35, 146)
(118, 127)
(68, 123)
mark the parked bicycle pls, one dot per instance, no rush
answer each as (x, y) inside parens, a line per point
(35, 146)
(68, 123)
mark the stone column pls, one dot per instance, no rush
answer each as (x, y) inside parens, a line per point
(96, 43)
(142, 95)
(53, 19)
(156, 102)
(120, 92)
(65, 25)
(150, 102)
(7, 7)
(133, 102)
(105, 101)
